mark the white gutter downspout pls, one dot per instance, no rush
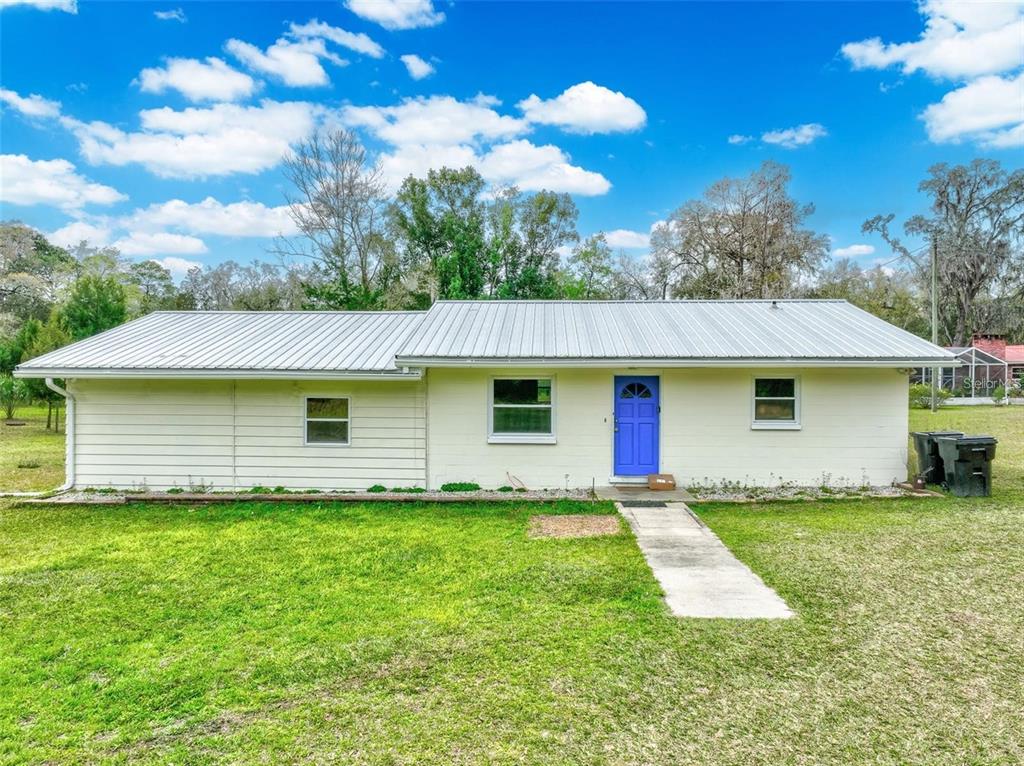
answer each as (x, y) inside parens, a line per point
(69, 436)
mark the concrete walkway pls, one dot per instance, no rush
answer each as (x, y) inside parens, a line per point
(700, 576)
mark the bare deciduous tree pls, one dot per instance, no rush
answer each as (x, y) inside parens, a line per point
(977, 224)
(743, 239)
(338, 206)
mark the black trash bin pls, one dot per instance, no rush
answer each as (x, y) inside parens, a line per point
(929, 462)
(967, 462)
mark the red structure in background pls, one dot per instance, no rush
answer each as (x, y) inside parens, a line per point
(988, 363)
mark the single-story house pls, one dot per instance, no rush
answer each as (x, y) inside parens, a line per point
(553, 394)
(985, 365)
(1012, 355)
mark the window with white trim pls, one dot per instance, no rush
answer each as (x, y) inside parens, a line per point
(327, 420)
(522, 409)
(776, 402)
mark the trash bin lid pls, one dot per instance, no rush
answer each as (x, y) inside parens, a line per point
(965, 439)
(978, 440)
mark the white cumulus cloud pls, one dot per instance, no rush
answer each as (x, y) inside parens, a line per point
(397, 14)
(358, 42)
(440, 120)
(175, 226)
(200, 142)
(293, 62)
(977, 44)
(174, 14)
(853, 251)
(418, 68)
(179, 267)
(793, 138)
(209, 80)
(534, 168)
(210, 216)
(50, 182)
(441, 131)
(69, 235)
(416, 159)
(960, 40)
(159, 243)
(32, 105)
(989, 110)
(520, 163)
(627, 240)
(68, 6)
(738, 138)
(586, 108)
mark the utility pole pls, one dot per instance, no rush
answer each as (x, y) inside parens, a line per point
(935, 322)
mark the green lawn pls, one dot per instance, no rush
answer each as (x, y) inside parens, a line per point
(392, 634)
(31, 458)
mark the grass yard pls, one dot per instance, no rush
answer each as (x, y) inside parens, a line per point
(399, 634)
(31, 458)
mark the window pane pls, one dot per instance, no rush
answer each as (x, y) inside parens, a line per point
(327, 408)
(522, 420)
(326, 432)
(774, 387)
(526, 391)
(775, 409)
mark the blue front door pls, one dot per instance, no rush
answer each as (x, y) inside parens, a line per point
(636, 425)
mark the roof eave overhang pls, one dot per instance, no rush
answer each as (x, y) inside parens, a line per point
(894, 362)
(150, 374)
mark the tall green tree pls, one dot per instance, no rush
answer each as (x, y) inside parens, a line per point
(439, 221)
(546, 223)
(152, 287)
(13, 394)
(33, 273)
(49, 337)
(12, 349)
(591, 270)
(459, 242)
(94, 305)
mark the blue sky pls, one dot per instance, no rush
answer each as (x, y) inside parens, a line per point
(159, 127)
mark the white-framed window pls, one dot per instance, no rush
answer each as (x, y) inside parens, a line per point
(327, 420)
(776, 402)
(522, 410)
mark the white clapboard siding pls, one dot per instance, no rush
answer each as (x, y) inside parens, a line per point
(226, 435)
(853, 429)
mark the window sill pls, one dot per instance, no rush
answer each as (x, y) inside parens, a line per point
(521, 439)
(775, 426)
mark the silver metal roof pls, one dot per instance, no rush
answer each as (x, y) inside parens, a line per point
(238, 344)
(453, 333)
(673, 332)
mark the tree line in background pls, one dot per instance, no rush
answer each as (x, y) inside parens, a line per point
(451, 236)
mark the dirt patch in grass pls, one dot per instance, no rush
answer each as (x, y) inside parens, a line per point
(573, 525)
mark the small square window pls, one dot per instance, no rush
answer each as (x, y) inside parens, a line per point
(775, 402)
(327, 420)
(522, 410)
